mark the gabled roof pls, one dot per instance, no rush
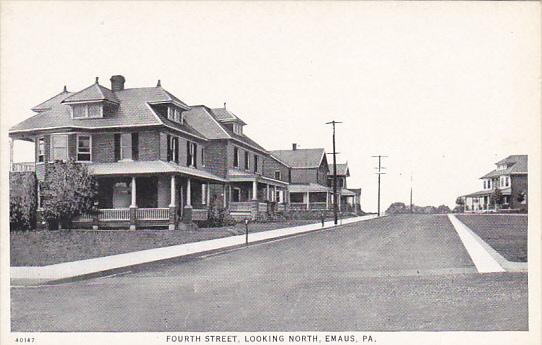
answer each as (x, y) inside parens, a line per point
(517, 164)
(224, 115)
(94, 92)
(342, 169)
(134, 110)
(301, 158)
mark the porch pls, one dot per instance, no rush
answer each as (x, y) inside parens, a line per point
(310, 197)
(250, 196)
(135, 198)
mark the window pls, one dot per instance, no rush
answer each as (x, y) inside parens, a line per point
(174, 114)
(59, 147)
(126, 146)
(235, 157)
(41, 149)
(247, 161)
(237, 129)
(173, 149)
(277, 175)
(192, 152)
(255, 163)
(82, 111)
(84, 144)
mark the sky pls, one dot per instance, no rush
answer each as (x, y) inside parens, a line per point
(444, 89)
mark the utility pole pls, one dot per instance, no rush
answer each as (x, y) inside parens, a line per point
(410, 192)
(335, 205)
(380, 167)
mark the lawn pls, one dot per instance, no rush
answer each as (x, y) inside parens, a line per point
(39, 248)
(507, 234)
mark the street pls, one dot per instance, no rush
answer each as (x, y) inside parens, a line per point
(397, 273)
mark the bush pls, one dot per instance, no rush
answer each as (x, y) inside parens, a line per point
(68, 191)
(218, 217)
(23, 200)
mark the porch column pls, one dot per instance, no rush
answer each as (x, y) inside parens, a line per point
(188, 192)
(224, 195)
(327, 200)
(133, 206)
(172, 225)
(229, 194)
(208, 196)
(274, 197)
(172, 191)
(255, 190)
(308, 201)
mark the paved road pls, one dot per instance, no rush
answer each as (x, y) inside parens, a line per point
(395, 273)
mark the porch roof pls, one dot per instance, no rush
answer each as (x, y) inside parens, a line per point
(148, 167)
(235, 175)
(346, 192)
(310, 187)
(506, 191)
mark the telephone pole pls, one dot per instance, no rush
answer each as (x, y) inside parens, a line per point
(410, 192)
(380, 167)
(335, 205)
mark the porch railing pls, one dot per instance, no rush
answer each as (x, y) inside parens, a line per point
(114, 214)
(153, 213)
(241, 205)
(23, 166)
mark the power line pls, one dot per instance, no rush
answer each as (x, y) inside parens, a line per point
(379, 173)
(335, 208)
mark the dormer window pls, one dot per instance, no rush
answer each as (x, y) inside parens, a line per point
(175, 114)
(87, 110)
(237, 129)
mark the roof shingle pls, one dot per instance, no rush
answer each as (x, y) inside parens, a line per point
(301, 158)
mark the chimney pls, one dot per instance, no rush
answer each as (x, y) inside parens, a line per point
(294, 146)
(117, 82)
(224, 105)
(159, 84)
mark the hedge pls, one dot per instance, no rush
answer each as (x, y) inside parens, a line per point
(23, 200)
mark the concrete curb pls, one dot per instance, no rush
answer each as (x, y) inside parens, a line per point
(98, 266)
(506, 265)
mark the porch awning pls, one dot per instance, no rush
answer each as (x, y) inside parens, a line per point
(130, 168)
(346, 192)
(311, 188)
(235, 175)
(506, 191)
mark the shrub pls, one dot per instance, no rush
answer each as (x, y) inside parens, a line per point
(23, 200)
(68, 191)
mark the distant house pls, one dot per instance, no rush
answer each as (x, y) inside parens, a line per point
(349, 197)
(510, 177)
(308, 182)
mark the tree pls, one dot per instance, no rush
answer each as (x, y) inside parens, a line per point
(496, 198)
(68, 191)
(460, 202)
(397, 208)
(443, 209)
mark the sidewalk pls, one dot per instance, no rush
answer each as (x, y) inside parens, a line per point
(67, 270)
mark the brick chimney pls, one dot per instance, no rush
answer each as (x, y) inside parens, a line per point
(117, 82)
(294, 146)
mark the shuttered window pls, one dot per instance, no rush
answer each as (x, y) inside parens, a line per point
(126, 146)
(84, 147)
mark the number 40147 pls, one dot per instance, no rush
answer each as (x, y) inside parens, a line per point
(24, 340)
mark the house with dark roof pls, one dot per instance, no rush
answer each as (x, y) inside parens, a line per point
(255, 178)
(510, 177)
(349, 197)
(150, 163)
(157, 160)
(308, 177)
